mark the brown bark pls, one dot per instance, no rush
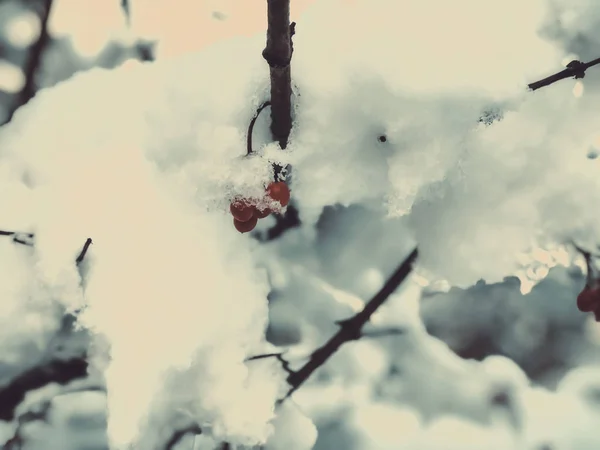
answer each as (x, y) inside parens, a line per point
(278, 54)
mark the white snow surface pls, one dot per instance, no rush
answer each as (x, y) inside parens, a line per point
(145, 159)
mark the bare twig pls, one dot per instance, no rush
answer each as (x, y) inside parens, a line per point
(279, 356)
(591, 274)
(251, 126)
(35, 56)
(27, 239)
(351, 329)
(84, 250)
(574, 69)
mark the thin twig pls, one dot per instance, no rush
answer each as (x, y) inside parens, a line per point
(351, 329)
(590, 276)
(251, 126)
(87, 244)
(18, 238)
(384, 332)
(574, 69)
(279, 356)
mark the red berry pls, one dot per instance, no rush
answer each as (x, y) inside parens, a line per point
(280, 192)
(262, 214)
(588, 300)
(241, 210)
(245, 227)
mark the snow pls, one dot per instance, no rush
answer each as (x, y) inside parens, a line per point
(144, 160)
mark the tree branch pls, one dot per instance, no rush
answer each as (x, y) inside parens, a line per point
(574, 69)
(84, 250)
(278, 54)
(351, 329)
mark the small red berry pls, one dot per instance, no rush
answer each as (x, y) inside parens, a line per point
(588, 300)
(262, 214)
(280, 192)
(241, 210)
(245, 227)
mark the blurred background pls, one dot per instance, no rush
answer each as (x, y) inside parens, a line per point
(375, 393)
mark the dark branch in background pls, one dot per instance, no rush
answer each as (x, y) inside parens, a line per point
(33, 62)
(180, 434)
(351, 329)
(61, 372)
(574, 69)
(291, 219)
(251, 127)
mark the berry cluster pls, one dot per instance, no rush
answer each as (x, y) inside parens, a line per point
(246, 212)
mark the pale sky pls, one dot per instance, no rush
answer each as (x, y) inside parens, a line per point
(92, 22)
